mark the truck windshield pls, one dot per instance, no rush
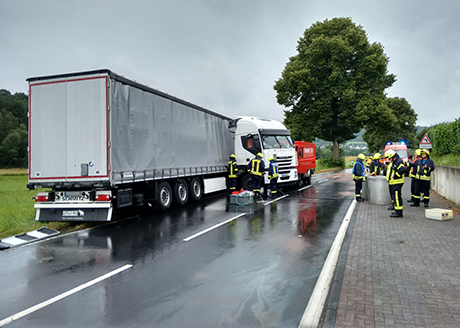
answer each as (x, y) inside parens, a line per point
(402, 153)
(276, 142)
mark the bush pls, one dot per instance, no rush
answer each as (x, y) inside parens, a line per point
(329, 162)
(445, 138)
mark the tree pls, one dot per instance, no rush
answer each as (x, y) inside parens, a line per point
(393, 122)
(333, 83)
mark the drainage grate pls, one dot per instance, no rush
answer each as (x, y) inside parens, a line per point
(28, 237)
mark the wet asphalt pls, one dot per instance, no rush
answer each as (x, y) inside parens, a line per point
(258, 270)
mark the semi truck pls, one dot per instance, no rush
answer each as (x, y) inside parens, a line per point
(99, 141)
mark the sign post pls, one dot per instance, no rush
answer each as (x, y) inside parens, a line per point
(425, 143)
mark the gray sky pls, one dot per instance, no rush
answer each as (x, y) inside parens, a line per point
(225, 55)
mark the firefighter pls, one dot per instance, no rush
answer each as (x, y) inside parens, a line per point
(424, 167)
(414, 181)
(232, 171)
(396, 181)
(376, 167)
(273, 175)
(358, 176)
(388, 171)
(256, 167)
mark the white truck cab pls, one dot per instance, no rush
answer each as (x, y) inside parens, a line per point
(269, 137)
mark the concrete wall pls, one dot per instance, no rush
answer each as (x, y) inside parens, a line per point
(446, 182)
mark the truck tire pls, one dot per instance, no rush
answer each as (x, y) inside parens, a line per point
(195, 188)
(180, 192)
(246, 182)
(164, 196)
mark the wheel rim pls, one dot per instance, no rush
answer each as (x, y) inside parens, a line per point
(182, 192)
(196, 189)
(165, 197)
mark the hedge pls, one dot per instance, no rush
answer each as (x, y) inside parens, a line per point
(445, 138)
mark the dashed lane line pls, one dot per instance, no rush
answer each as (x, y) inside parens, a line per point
(212, 228)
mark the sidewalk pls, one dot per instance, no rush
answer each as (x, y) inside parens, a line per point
(401, 272)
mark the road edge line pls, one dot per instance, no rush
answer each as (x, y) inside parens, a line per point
(312, 314)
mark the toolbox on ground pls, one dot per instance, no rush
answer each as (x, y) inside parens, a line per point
(439, 214)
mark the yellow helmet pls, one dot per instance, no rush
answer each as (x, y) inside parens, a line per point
(426, 151)
(361, 156)
(232, 156)
(260, 155)
(418, 152)
(271, 158)
(377, 156)
(389, 153)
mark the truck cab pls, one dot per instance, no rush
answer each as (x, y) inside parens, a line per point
(269, 137)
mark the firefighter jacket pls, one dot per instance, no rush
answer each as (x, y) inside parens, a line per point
(256, 166)
(358, 170)
(424, 167)
(389, 165)
(232, 169)
(413, 167)
(375, 167)
(398, 168)
(273, 171)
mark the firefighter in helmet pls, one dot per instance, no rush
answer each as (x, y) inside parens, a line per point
(396, 181)
(424, 167)
(256, 168)
(232, 171)
(273, 175)
(358, 176)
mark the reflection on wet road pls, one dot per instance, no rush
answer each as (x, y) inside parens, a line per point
(256, 270)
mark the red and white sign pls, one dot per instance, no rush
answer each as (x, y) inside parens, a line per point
(425, 142)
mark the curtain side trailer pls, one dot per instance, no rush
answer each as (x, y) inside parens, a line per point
(99, 141)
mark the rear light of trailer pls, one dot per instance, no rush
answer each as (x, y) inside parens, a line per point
(41, 198)
(102, 198)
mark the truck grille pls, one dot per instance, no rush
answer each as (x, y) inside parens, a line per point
(284, 164)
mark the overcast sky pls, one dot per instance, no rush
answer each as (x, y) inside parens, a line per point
(225, 55)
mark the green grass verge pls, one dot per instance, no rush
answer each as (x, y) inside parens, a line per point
(447, 160)
(17, 213)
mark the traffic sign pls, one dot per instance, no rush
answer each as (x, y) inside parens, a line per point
(425, 142)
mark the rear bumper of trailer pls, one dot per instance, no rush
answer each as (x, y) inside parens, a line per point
(73, 212)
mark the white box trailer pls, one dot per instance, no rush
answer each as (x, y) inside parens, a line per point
(99, 140)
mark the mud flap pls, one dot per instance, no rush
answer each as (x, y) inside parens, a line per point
(73, 214)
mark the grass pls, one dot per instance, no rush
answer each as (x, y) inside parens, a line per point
(447, 160)
(17, 213)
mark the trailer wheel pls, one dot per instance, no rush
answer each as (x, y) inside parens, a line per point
(196, 189)
(180, 192)
(164, 196)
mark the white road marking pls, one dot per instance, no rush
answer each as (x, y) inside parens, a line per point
(323, 181)
(336, 176)
(305, 188)
(315, 306)
(61, 296)
(265, 204)
(213, 227)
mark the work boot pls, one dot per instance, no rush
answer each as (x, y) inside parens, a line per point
(410, 200)
(396, 214)
(391, 208)
(359, 199)
(426, 205)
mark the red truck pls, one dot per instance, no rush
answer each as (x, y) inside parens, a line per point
(306, 154)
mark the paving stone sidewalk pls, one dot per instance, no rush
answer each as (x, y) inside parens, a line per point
(401, 272)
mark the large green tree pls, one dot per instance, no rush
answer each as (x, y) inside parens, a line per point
(397, 123)
(333, 83)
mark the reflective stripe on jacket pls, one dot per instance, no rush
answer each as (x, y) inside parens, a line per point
(232, 169)
(273, 171)
(256, 166)
(397, 172)
(424, 174)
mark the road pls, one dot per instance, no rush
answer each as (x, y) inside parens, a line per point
(256, 270)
